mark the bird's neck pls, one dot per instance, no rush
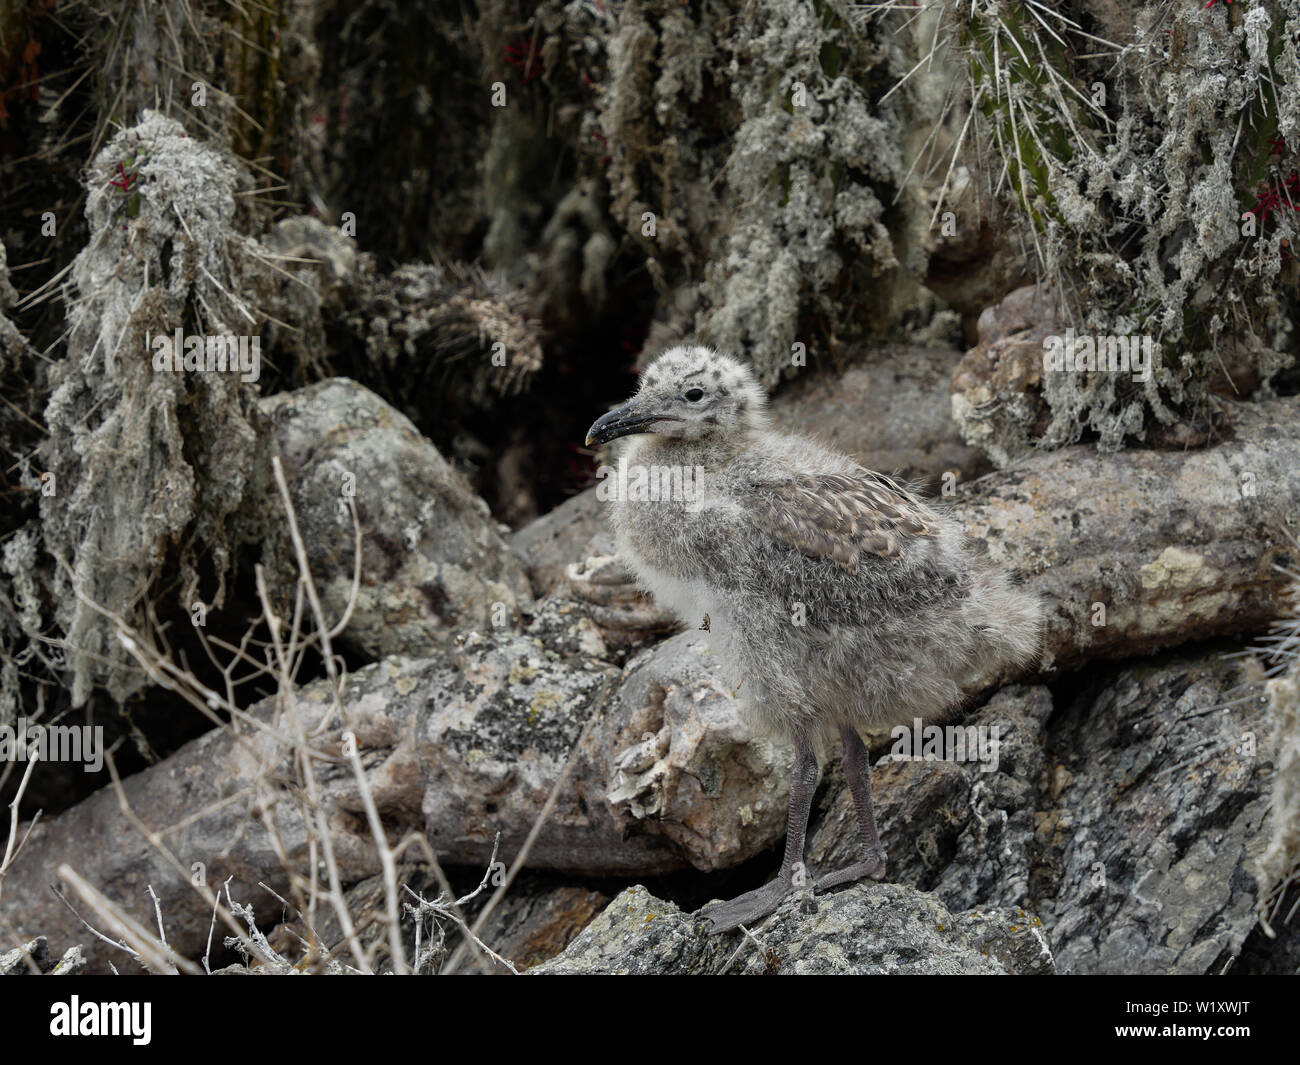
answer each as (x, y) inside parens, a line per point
(710, 454)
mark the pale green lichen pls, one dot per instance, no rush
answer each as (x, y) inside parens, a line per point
(760, 145)
(1142, 145)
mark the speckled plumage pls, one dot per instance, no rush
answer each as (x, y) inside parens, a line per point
(839, 599)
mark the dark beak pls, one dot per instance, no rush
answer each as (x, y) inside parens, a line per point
(622, 421)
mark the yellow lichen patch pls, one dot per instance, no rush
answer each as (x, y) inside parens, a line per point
(1175, 568)
(542, 702)
(521, 673)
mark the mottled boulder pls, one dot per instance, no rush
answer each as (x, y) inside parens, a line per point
(1154, 819)
(502, 720)
(601, 588)
(891, 412)
(1143, 550)
(997, 403)
(433, 561)
(569, 555)
(460, 746)
(1129, 821)
(561, 538)
(666, 776)
(34, 958)
(684, 765)
(864, 929)
(566, 627)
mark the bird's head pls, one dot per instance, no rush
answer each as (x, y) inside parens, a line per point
(688, 393)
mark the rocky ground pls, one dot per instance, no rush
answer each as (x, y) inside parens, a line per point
(354, 627)
(1119, 829)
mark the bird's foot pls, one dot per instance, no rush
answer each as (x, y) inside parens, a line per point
(872, 867)
(745, 909)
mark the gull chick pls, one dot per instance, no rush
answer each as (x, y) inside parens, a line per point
(843, 601)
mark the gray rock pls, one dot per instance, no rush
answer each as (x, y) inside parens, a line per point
(1144, 550)
(684, 766)
(502, 718)
(599, 594)
(565, 626)
(459, 746)
(666, 777)
(19, 961)
(864, 929)
(1160, 787)
(561, 538)
(892, 413)
(433, 562)
(456, 746)
(1130, 821)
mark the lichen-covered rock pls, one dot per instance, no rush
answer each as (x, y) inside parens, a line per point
(458, 746)
(36, 954)
(626, 616)
(666, 775)
(997, 401)
(569, 553)
(864, 929)
(565, 627)
(891, 412)
(433, 561)
(1154, 820)
(1130, 820)
(685, 767)
(1149, 549)
(504, 719)
(1281, 859)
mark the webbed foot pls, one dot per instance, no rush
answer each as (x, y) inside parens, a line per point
(873, 868)
(745, 909)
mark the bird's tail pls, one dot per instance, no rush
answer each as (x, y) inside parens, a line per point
(1009, 620)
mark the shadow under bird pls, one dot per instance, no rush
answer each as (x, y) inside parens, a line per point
(843, 601)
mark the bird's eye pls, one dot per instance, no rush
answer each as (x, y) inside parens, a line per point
(695, 395)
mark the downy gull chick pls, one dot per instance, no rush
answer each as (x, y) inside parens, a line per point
(843, 601)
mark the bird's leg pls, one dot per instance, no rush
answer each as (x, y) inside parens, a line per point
(755, 905)
(857, 771)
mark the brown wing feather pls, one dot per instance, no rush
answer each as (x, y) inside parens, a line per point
(837, 516)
